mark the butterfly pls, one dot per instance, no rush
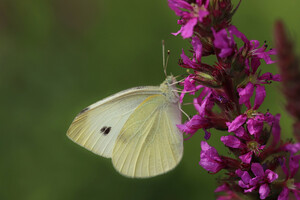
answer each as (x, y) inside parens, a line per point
(136, 128)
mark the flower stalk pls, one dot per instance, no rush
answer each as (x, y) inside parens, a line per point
(227, 96)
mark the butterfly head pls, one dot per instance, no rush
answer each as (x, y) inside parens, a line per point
(170, 80)
(168, 88)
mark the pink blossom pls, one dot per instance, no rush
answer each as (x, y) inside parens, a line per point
(244, 143)
(290, 171)
(190, 15)
(247, 92)
(189, 86)
(293, 148)
(236, 123)
(229, 194)
(261, 180)
(232, 142)
(210, 159)
(224, 43)
(192, 126)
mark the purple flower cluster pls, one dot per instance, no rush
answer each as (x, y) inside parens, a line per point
(227, 96)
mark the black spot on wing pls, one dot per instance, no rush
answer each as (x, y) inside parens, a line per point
(105, 130)
(84, 110)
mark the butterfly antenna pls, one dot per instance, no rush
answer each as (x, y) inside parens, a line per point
(165, 61)
(164, 58)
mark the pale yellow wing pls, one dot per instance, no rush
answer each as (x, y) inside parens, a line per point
(149, 143)
(97, 127)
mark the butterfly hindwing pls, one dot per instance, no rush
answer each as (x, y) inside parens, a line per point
(97, 127)
(149, 142)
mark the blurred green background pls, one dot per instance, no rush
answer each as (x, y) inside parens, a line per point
(59, 56)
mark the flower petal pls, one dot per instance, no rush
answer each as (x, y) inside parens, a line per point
(268, 76)
(177, 5)
(271, 176)
(189, 86)
(245, 94)
(197, 46)
(223, 42)
(236, 123)
(187, 61)
(257, 169)
(247, 157)
(188, 28)
(284, 195)
(294, 164)
(264, 191)
(255, 126)
(293, 148)
(197, 122)
(233, 30)
(241, 133)
(259, 97)
(209, 158)
(284, 166)
(207, 134)
(222, 188)
(232, 141)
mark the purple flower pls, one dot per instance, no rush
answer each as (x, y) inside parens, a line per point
(204, 102)
(194, 63)
(261, 180)
(229, 194)
(273, 121)
(255, 125)
(245, 180)
(246, 147)
(190, 15)
(189, 86)
(247, 157)
(245, 95)
(289, 183)
(236, 123)
(210, 159)
(187, 62)
(247, 92)
(192, 126)
(255, 54)
(254, 121)
(241, 133)
(232, 141)
(267, 77)
(225, 42)
(206, 134)
(197, 47)
(293, 148)
(260, 53)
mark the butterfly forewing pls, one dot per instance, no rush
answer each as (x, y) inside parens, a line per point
(149, 142)
(97, 127)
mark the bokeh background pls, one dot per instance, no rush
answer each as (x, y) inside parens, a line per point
(59, 56)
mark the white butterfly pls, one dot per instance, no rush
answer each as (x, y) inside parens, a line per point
(136, 128)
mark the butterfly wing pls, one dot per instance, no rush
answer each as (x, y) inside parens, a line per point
(96, 127)
(149, 144)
